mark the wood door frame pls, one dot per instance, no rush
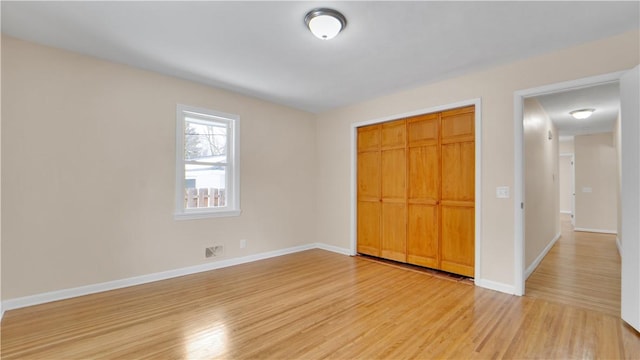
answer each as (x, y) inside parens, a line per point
(477, 102)
(518, 187)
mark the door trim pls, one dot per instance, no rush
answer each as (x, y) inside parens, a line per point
(477, 102)
(518, 188)
(571, 157)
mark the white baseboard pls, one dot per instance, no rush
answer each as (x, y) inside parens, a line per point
(541, 256)
(42, 298)
(603, 231)
(568, 212)
(494, 285)
(334, 249)
(619, 245)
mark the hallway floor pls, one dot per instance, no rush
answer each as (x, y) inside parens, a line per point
(582, 269)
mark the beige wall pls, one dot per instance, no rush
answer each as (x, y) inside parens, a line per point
(566, 146)
(88, 173)
(541, 223)
(496, 87)
(596, 169)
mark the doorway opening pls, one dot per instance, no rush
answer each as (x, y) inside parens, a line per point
(570, 236)
(629, 83)
(572, 206)
(521, 204)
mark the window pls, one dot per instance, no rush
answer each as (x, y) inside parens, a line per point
(207, 165)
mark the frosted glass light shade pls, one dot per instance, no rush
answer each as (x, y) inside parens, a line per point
(325, 24)
(325, 27)
(582, 113)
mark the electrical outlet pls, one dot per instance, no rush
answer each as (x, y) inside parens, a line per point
(214, 251)
(243, 244)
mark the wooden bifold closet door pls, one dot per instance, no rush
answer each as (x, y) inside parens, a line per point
(423, 241)
(393, 190)
(416, 190)
(369, 204)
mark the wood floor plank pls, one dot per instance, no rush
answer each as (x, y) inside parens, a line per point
(312, 305)
(581, 269)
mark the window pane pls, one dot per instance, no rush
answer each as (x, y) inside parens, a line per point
(205, 141)
(206, 163)
(205, 186)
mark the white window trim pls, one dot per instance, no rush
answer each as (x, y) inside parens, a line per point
(233, 166)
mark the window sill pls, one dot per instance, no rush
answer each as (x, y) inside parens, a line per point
(193, 215)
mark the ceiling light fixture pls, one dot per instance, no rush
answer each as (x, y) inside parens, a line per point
(582, 113)
(325, 23)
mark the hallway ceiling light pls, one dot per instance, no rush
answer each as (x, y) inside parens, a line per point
(325, 23)
(582, 113)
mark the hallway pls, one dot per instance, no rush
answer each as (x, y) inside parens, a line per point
(582, 269)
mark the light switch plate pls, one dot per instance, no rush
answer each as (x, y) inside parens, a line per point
(502, 192)
(587, 190)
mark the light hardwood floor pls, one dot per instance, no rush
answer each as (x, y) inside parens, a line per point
(310, 305)
(582, 269)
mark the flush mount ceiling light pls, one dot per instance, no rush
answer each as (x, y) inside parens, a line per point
(582, 113)
(325, 23)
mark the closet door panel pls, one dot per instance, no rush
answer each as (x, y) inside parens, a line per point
(394, 134)
(422, 237)
(369, 176)
(423, 130)
(393, 173)
(394, 231)
(458, 171)
(458, 125)
(369, 138)
(458, 251)
(423, 173)
(369, 218)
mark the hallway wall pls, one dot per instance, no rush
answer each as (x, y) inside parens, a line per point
(542, 221)
(596, 182)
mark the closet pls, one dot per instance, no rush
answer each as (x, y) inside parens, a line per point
(416, 190)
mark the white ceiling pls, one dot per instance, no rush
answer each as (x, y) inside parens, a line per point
(263, 49)
(605, 99)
